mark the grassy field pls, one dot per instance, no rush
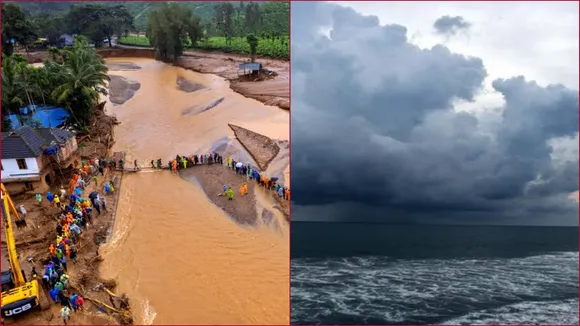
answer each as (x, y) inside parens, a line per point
(279, 49)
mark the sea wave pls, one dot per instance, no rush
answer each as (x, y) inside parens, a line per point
(564, 312)
(378, 290)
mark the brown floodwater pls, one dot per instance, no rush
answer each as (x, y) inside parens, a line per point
(179, 258)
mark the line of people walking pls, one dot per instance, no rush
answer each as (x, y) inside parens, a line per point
(76, 215)
(188, 161)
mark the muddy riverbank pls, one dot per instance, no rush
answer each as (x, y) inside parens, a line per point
(212, 178)
(275, 91)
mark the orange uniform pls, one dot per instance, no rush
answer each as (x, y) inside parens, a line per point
(67, 250)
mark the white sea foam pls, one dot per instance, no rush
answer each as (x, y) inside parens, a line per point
(380, 290)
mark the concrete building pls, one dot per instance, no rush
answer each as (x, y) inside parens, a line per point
(32, 157)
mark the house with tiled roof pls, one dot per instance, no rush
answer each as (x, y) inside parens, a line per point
(31, 156)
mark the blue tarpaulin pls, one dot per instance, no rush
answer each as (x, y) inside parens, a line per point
(51, 150)
(48, 116)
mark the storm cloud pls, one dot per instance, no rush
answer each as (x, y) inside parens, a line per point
(448, 25)
(375, 135)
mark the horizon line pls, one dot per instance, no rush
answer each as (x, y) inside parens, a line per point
(433, 224)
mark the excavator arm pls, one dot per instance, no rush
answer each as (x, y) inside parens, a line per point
(8, 205)
(18, 296)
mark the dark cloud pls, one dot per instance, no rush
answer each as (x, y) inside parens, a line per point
(373, 125)
(448, 25)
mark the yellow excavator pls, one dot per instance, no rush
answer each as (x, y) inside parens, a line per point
(18, 295)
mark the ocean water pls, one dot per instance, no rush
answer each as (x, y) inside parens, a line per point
(348, 273)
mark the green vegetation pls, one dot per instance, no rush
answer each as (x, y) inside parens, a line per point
(73, 79)
(253, 43)
(266, 47)
(135, 40)
(15, 27)
(99, 22)
(138, 10)
(232, 29)
(223, 26)
(170, 29)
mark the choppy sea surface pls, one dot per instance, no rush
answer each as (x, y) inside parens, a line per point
(344, 273)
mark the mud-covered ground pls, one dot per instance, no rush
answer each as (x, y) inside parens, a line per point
(100, 137)
(262, 148)
(32, 244)
(122, 89)
(275, 91)
(212, 178)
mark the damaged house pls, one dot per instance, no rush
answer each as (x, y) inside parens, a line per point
(32, 157)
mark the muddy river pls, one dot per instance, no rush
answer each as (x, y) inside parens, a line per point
(180, 258)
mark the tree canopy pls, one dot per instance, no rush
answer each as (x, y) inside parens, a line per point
(170, 28)
(99, 22)
(73, 80)
(15, 26)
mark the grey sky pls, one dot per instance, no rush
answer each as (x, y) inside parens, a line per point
(448, 25)
(387, 128)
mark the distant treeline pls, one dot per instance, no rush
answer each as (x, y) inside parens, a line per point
(216, 26)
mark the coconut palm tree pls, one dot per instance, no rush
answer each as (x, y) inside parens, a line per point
(82, 78)
(12, 86)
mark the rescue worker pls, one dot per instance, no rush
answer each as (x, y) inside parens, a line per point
(174, 166)
(65, 314)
